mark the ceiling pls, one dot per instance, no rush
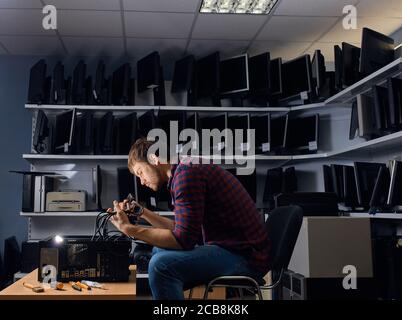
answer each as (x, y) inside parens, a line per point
(133, 28)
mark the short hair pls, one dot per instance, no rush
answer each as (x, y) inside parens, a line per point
(139, 151)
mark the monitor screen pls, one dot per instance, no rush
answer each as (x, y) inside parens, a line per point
(126, 133)
(381, 188)
(41, 131)
(78, 87)
(289, 184)
(377, 51)
(275, 76)
(99, 83)
(36, 90)
(297, 76)
(125, 183)
(58, 83)
(273, 184)
(302, 133)
(338, 67)
(366, 175)
(318, 69)
(395, 189)
(259, 67)
(105, 133)
(234, 75)
(395, 101)
(208, 76)
(328, 181)
(183, 74)
(148, 69)
(64, 130)
(350, 64)
(381, 108)
(337, 180)
(261, 125)
(146, 122)
(277, 128)
(349, 187)
(120, 86)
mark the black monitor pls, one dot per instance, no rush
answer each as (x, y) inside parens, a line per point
(146, 122)
(84, 132)
(12, 257)
(37, 78)
(125, 183)
(165, 118)
(366, 175)
(259, 74)
(395, 189)
(395, 101)
(381, 189)
(338, 67)
(97, 186)
(328, 181)
(159, 91)
(350, 64)
(131, 92)
(337, 180)
(349, 187)
(273, 185)
(64, 131)
(104, 134)
(41, 132)
(318, 71)
(208, 76)
(183, 74)
(58, 91)
(277, 129)
(145, 196)
(240, 124)
(297, 77)
(78, 92)
(121, 82)
(89, 100)
(218, 122)
(248, 181)
(381, 108)
(302, 133)
(234, 75)
(377, 51)
(275, 77)
(289, 184)
(100, 84)
(69, 90)
(148, 69)
(126, 133)
(262, 133)
(354, 121)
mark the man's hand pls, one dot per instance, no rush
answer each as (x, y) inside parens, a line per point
(120, 219)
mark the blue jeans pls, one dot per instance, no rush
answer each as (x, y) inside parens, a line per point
(172, 271)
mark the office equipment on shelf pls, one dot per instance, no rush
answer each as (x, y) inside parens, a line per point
(381, 109)
(289, 183)
(395, 101)
(184, 79)
(78, 91)
(213, 123)
(259, 78)
(89, 97)
(64, 131)
(104, 134)
(146, 122)
(172, 123)
(78, 258)
(276, 78)
(121, 85)
(261, 127)
(328, 180)
(354, 121)
(302, 134)
(366, 175)
(84, 133)
(42, 140)
(97, 186)
(313, 203)
(208, 79)
(29, 256)
(378, 201)
(248, 181)
(100, 91)
(338, 67)
(394, 199)
(125, 132)
(318, 73)
(125, 183)
(366, 116)
(273, 185)
(278, 128)
(239, 126)
(376, 52)
(154, 200)
(297, 81)
(66, 201)
(58, 91)
(350, 64)
(234, 76)
(337, 180)
(349, 187)
(37, 78)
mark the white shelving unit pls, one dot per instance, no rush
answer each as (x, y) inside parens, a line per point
(397, 216)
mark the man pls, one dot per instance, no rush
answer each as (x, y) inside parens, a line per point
(209, 204)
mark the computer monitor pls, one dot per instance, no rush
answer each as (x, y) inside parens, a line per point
(349, 187)
(395, 101)
(97, 186)
(37, 77)
(159, 91)
(165, 118)
(126, 133)
(84, 132)
(239, 124)
(337, 180)
(64, 131)
(148, 69)
(381, 189)
(78, 87)
(273, 185)
(183, 74)
(218, 122)
(275, 77)
(89, 100)
(105, 134)
(350, 64)
(328, 181)
(377, 51)
(297, 77)
(289, 184)
(146, 122)
(277, 129)
(381, 108)
(302, 133)
(208, 76)
(234, 75)
(58, 91)
(121, 82)
(318, 71)
(12, 257)
(354, 121)
(259, 74)
(338, 67)
(131, 92)
(366, 116)
(261, 125)
(366, 175)
(248, 181)
(395, 190)
(125, 183)
(41, 132)
(100, 84)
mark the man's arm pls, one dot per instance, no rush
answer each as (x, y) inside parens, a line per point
(156, 220)
(162, 238)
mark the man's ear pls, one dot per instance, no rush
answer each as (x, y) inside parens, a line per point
(153, 159)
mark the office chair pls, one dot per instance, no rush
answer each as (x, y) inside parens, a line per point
(283, 226)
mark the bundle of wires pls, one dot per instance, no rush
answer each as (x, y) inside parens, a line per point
(101, 231)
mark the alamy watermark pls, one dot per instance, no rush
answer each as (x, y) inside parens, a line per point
(349, 21)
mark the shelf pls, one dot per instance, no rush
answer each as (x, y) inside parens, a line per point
(73, 157)
(78, 214)
(375, 216)
(346, 95)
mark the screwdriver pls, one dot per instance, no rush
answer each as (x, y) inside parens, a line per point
(37, 289)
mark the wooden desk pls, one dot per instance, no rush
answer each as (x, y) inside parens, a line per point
(116, 291)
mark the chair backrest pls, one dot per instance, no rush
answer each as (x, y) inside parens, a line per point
(283, 226)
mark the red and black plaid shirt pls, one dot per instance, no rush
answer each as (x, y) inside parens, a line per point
(210, 203)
